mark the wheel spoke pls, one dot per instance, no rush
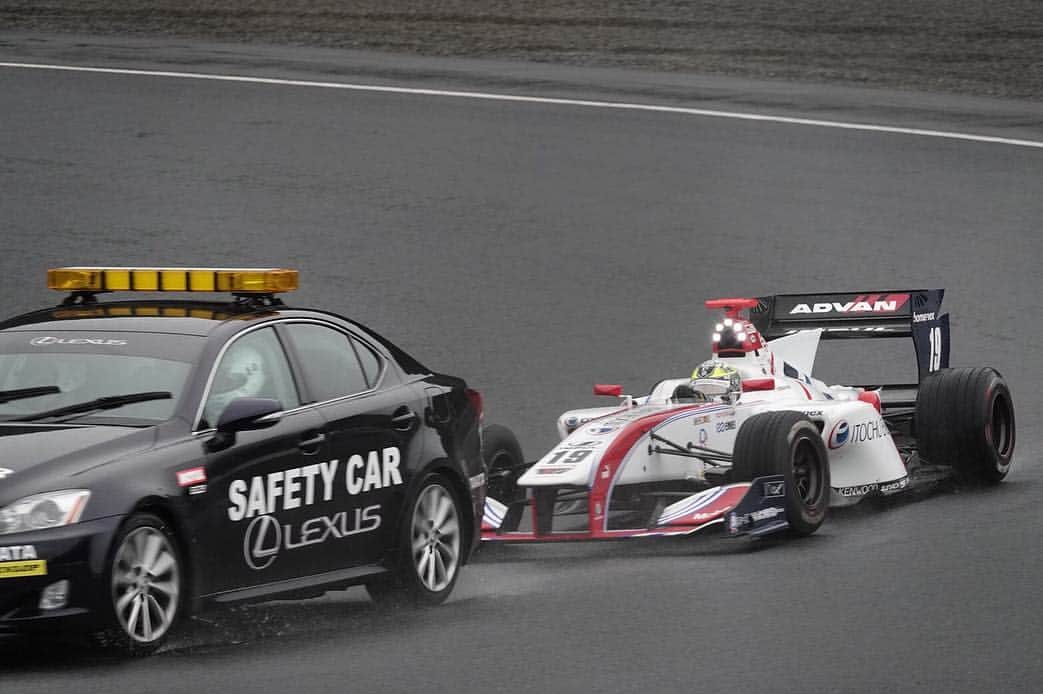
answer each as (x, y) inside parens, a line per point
(153, 545)
(146, 619)
(424, 507)
(137, 548)
(431, 569)
(446, 556)
(161, 614)
(444, 506)
(135, 612)
(425, 558)
(123, 578)
(162, 564)
(449, 528)
(167, 589)
(440, 571)
(125, 600)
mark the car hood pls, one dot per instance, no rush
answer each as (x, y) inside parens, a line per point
(42, 456)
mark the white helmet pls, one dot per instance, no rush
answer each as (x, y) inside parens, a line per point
(240, 375)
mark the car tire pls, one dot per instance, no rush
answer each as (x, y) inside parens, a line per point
(788, 444)
(504, 462)
(965, 418)
(430, 552)
(145, 587)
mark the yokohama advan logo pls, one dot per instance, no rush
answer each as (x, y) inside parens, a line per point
(863, 303)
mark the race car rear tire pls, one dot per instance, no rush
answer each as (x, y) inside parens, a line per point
(146, 587)
(430, 552)
(965, 418)
(504, 464)
(503, 460)
(787, 444)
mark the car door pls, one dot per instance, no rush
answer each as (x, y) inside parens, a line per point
(372, 421)
(263, 486)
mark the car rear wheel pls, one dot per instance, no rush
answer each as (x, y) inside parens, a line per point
(788, 444)
(965, 418)
(504, 464)
(146, 586)
(431, 549)
(503, 459)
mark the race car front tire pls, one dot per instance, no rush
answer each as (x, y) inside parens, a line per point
(788, 444)
(965, 418)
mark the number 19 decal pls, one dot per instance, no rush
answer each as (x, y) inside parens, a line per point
(935, 361)
(570, 457)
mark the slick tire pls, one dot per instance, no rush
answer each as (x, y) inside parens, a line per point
(431, 549)
(145, 587)
(965, 418)
(787, 444)
(504, 464)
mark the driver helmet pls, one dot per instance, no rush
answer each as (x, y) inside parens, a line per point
(241, 375)
(717, 381)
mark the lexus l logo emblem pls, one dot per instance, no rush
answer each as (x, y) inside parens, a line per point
(261, 542)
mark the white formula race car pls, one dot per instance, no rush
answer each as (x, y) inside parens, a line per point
(752, 443)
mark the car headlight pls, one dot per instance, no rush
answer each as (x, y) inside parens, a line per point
(40, 511)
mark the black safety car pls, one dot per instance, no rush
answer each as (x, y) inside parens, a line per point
(160, 455)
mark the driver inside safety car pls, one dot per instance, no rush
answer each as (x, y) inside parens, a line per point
(715, 380)
(240, 375)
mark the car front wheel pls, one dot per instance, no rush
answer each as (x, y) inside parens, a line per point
(146, 585)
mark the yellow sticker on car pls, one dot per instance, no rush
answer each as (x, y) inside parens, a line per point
(17, 569)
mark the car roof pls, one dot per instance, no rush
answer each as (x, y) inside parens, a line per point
(166, 316)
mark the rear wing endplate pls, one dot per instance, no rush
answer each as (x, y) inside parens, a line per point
(914, 313)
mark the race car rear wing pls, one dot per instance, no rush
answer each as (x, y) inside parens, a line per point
(912, 313)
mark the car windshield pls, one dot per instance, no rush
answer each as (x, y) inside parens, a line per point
(87, 366)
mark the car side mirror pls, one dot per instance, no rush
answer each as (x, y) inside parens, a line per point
(248, 414)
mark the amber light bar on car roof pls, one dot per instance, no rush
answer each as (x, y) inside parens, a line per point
(172, 279)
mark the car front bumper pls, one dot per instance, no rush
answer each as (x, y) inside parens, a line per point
(75, 553)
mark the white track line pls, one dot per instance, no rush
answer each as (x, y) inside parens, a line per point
(618, 105)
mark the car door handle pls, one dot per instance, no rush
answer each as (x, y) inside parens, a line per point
(403, 419)
(311, 446)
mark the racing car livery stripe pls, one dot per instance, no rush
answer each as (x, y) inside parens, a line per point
(710, 506)
(492, 516)
(612, 460)
(689, 505)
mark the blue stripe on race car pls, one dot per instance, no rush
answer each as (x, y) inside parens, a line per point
(690, 505)
(493, 513)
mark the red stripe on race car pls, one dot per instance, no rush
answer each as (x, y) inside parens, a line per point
(613, 459)
(715, 509)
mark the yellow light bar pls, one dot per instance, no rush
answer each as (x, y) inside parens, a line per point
(172, 279)
(121, 311)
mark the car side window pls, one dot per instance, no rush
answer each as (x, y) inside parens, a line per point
(370, 361)
(254, 366)
(331, 368)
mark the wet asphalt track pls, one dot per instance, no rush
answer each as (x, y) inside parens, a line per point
(536, 249)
